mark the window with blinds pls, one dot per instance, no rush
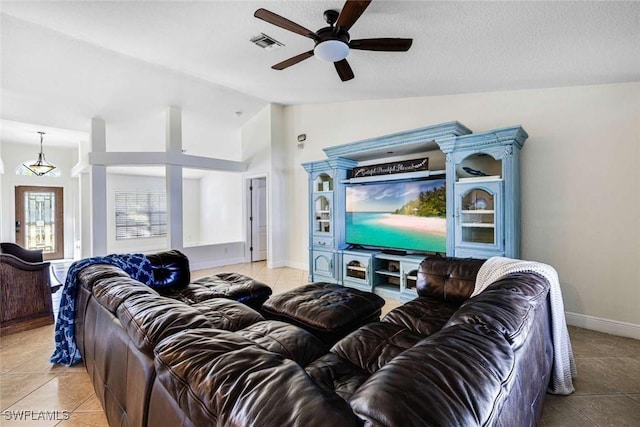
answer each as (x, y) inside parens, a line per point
(141, 214)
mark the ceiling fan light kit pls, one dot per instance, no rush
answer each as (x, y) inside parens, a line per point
(331, 50)
(333, 43)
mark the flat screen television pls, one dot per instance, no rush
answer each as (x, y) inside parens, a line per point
(404, 215)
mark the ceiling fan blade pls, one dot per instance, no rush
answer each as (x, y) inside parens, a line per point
(293, 61)
(350, 13)
(344, 70)
(382, 44)
(281, 22)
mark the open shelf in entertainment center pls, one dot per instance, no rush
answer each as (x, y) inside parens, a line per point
(393, 275)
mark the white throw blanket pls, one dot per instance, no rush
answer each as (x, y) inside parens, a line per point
(564, 367)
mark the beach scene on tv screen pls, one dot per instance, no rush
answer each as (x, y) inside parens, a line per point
(401, 215)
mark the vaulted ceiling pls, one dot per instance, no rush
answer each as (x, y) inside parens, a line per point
(66, 62)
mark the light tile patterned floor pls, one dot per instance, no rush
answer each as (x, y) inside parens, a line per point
(607, 388)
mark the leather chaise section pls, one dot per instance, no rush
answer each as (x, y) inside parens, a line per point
(222, 378)
(417, 388)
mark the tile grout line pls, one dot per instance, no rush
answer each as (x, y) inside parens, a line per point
(32, 391)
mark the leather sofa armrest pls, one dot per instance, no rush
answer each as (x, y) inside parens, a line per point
(170, 269)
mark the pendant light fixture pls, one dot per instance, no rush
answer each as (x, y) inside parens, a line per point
(41, 166)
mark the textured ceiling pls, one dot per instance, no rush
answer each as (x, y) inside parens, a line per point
(65, 62)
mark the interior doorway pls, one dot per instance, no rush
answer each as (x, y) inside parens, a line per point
(257, 215)
(39, 220)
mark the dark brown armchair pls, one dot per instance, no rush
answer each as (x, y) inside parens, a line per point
(25, 290)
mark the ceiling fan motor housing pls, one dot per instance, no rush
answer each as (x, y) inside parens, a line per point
(331, 16)
(328, 33)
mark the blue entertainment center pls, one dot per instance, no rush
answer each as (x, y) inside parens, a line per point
(357, 240)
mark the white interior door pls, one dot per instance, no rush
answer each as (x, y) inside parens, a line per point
(258, 219)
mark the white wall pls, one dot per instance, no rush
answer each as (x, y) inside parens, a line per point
(221, 219)
(191, 211)
(256, 143)
(580, 179)
(63, 158)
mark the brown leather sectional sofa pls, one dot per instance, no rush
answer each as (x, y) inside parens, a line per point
(442, 359)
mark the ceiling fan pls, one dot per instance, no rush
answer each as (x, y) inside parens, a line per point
(332, 43)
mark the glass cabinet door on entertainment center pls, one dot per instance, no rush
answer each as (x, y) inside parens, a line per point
(322, 214)
(478, 218)
(322, 204)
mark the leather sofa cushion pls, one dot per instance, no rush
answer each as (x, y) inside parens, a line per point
(290, 341)
(227, 314)
(149, 318)
(423, 315)
(110, 292)
(507, 305)
(448, 279)
(372, 346)
(455, 377)
(88, 276)
(223, 378)
(337, 375)
(170, 269)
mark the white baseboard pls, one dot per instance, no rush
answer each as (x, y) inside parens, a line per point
(276, 264)
(613, 327)
(298, 265)
(203, 265)
(290, 264)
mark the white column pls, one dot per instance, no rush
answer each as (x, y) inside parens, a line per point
(98, 178)
(173, 172)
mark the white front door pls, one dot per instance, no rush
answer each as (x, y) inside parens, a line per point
(258, 219)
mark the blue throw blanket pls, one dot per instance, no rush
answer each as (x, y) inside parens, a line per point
(66, 352)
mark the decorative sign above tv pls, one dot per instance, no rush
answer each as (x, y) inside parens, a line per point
(403, 166)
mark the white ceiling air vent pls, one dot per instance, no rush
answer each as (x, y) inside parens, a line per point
(266, 42)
